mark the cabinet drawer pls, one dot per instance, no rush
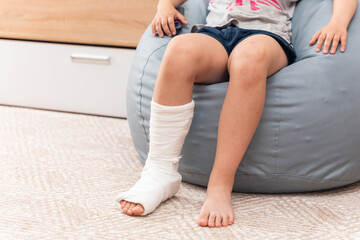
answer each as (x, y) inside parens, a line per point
(63, 77)
(105, 22)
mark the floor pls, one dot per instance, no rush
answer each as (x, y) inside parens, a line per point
(60, 173)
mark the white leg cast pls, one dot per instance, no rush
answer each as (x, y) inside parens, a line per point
(160, 179)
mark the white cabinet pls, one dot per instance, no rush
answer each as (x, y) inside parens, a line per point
(65, 77)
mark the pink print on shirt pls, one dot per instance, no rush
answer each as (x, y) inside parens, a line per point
(254, 4)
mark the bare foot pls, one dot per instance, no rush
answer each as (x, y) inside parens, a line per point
(131, 208)
(217, 209)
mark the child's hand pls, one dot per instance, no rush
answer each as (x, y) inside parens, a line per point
(164, 21)
(334, 33)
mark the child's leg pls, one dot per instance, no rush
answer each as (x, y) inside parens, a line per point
(188, 58)
(249, 64)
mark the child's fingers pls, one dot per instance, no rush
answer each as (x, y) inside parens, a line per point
(172, 25)
(165, 26)
(314, 38)
(159, 29)
(153, 28)
(335, 44)
(181, 18)
(343, 43)
(320, 41)
(328, 40)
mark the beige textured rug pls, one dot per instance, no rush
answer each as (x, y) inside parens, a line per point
(60, 173)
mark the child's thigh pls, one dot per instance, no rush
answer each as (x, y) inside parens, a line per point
(262, 52)
(200, 55)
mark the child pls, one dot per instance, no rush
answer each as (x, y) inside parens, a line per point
(243, 42)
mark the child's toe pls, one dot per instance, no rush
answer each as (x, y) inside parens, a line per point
(126, 207)
(231, 219)
(225, 221)
(218, 221)
(132, 205)
(211, 222)
(138, 209)
(203, 219)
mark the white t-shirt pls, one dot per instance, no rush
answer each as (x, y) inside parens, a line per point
(268, 15)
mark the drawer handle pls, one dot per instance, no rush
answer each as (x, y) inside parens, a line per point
(77, 57)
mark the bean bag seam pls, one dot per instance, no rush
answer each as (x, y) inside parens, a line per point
(299, 176)
(141, 96)
(280, 174)
(277, 140)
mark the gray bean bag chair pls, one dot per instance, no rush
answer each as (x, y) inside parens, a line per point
(308, 137)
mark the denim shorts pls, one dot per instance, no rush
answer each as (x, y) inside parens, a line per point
(231, 35)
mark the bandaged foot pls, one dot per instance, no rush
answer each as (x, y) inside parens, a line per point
(160, 179)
